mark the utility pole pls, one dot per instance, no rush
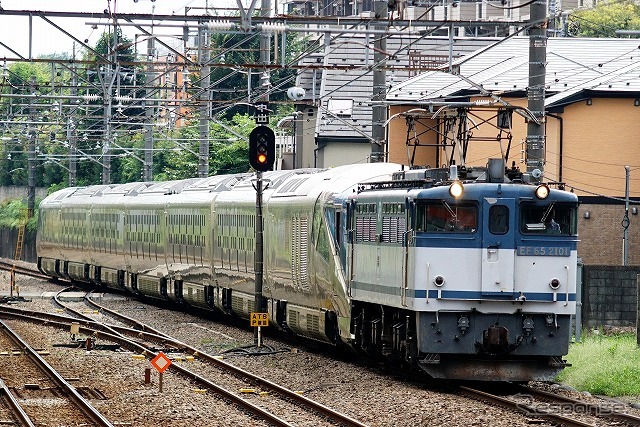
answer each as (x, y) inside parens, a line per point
(379, 110)
(31, 162)
(107, 85)
(205, 81)
(72, 139)
(147, 166)
(72, 132)
(535, 151)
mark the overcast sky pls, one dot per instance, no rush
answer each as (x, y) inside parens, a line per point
(14, 31)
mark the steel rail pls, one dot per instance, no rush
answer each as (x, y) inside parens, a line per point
(14, 405)
(98, 327)
(221, 391)
(25, 271)
(592, 409)
(83, 404)
(150, 333)
(519, 407)
(159, 336)
(130, 320)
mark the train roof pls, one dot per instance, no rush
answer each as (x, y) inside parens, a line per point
(283, 183)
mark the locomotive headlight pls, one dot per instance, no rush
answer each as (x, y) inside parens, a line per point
(456, 189)
(554, 284)
(542, 192)
(438, 281)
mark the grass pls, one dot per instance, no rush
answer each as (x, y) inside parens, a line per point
(604, 364)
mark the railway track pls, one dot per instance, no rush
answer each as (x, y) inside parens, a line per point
(254, 389)
(28, 367)
(556, 408)
(26, 271)
(612, 412)
(153, 335)
(546, 406)
(12, 412)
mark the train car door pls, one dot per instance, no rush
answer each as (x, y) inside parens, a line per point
(349, 243)
(498, 247)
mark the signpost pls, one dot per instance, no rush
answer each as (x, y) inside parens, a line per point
(161, 362)
(259, 320)
(262, 151)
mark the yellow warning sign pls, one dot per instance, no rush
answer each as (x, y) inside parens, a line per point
(259, 319)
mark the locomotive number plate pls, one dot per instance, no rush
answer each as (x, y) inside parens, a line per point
(543, 251)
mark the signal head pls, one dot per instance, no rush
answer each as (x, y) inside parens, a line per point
(262, 148)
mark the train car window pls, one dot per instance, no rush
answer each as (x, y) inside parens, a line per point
(554, 218)
(499, 219)
(445, 218)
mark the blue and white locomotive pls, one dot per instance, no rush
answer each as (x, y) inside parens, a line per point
(468, 274)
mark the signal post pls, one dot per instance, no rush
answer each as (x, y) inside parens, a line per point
(262, 150)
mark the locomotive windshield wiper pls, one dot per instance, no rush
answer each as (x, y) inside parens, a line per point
(453, 214)
(547, 212)
(541, 226)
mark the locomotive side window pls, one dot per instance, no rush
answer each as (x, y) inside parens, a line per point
(499, 219)
(445, 218)
(554, 218)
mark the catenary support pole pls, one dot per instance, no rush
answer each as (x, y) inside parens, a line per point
(535, 145)
(379, 110)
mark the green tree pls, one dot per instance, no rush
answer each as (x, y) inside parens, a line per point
(605, 19)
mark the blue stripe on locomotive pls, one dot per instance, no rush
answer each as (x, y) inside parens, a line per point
(463, 294)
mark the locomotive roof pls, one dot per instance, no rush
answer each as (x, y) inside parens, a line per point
(483, 190)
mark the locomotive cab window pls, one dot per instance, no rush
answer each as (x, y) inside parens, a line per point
(554, 218)
(443, 217)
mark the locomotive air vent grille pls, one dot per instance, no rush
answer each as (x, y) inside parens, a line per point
(393, 228)
(366, 229)
(299, 238)
(387, 229)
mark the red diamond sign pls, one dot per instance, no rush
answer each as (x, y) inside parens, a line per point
(161, 362)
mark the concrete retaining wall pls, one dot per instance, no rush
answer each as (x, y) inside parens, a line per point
(609, 295)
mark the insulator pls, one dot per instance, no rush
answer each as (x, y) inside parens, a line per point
(220, 25)
(90, 97)
(273, 27)
(123, 99)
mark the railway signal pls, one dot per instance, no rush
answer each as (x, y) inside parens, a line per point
(262, 148)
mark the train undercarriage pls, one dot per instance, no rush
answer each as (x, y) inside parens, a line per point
(463, 345)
